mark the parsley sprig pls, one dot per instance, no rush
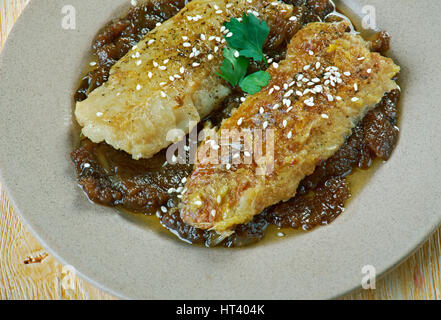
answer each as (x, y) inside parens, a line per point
(245, 43)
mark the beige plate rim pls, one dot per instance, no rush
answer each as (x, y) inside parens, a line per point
(395, 212)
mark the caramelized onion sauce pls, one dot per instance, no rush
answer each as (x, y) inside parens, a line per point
(141, 188)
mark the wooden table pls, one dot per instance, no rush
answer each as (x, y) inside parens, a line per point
(28, 272)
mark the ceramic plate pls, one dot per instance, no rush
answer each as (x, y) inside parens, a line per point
(395, 212)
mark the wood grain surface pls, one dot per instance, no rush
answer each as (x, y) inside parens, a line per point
(28, 272)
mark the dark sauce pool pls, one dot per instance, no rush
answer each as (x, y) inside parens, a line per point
(112, 178)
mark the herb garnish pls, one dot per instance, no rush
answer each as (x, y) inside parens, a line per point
(246, 41)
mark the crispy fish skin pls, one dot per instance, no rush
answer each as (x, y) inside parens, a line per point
(169, 80)
(217, 198)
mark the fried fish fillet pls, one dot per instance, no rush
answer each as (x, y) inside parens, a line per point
(169, 79)
(327, 83)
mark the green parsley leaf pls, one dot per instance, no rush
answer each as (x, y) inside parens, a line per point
(248, 36)
(233, 69)
(254, 82)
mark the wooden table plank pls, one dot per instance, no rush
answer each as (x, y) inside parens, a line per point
(417, 278)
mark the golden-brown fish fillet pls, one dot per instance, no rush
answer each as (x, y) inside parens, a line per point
(169, 79)
(327, 83)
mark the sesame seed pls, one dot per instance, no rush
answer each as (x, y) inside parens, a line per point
(229, 35)
(325, 116)
(213, 213)
(150, 75)
(138, 63)
(261, 110)
(347, 73)
(236, 54)
(310, 102)
(289, 93)
(229, 5)
(276, 106)
(155, 64)
(361, 58)
(275, 65)
(311, 53)
(280, 234)
(218, 199)
(203, 37)
(182, 70)
(277, 88)
(162, 83)
(171, 78)
(163, 94)
(271, 91)
(355, 87)
(158, 24)
(219, 11)
(210, 57)
(285, 123)
(150, 41)
(354, 99)
(222, 29)
(239, 122)
(338, 98)
(162, 68)
(369, 70)
(138, 87)
(99, 114)
(92, 64)
(289, 136)
(293, 18)
(163, 209)
(265, 124)
(186, 44)
(228, 166)
(306, 67)
(330, 97)
(86, 165)
(195, 64)
(247, 154)
(185, 38)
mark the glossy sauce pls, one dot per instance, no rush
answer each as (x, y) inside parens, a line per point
(140, 188)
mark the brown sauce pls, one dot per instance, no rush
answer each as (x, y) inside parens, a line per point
(111, 177)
